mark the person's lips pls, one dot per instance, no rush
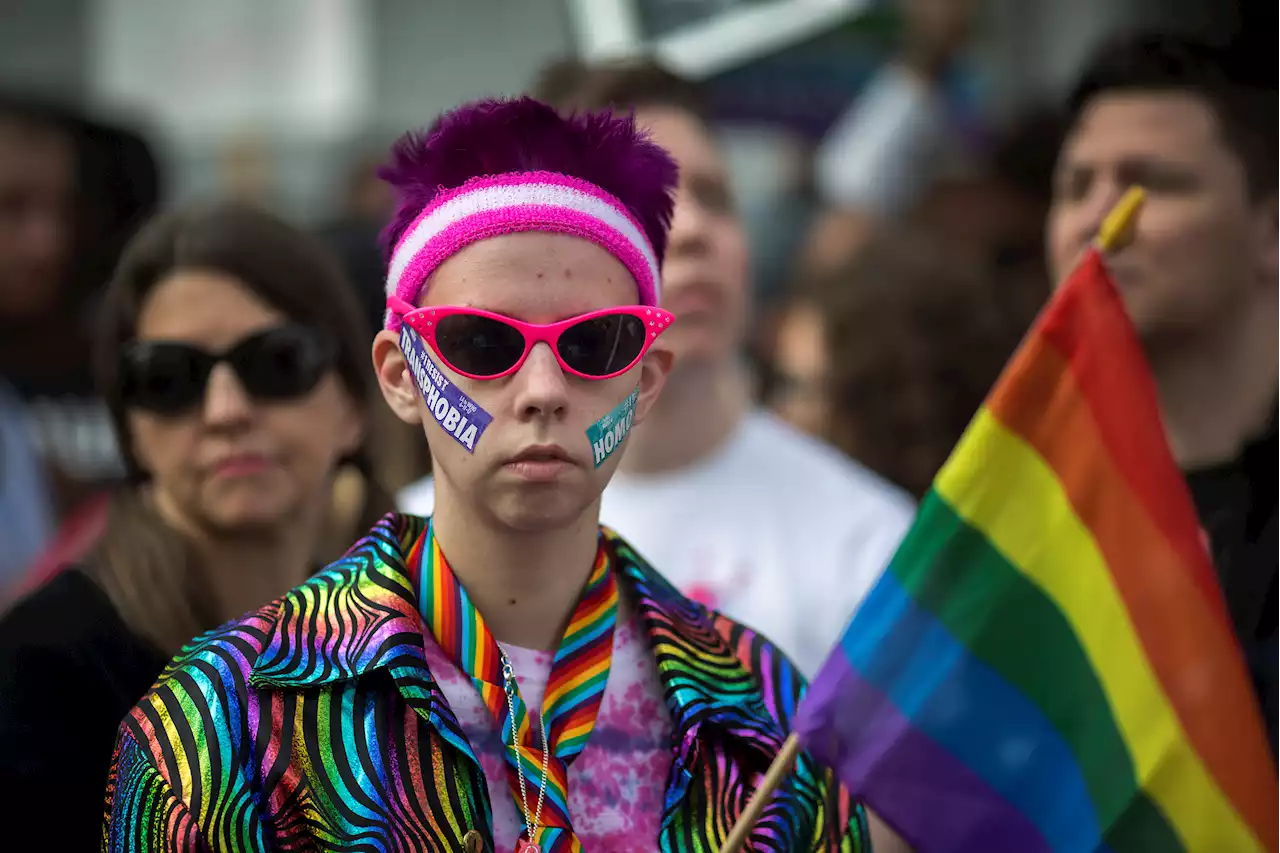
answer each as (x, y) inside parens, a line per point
(241, 465)
(540, 463)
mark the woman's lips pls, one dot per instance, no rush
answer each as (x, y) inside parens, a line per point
(244, 465)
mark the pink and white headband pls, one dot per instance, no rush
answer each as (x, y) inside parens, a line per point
(507, 204)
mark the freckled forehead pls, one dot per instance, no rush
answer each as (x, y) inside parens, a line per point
(533, 276)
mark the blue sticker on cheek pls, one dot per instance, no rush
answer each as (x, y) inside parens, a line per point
(606, 434)
(457, 414)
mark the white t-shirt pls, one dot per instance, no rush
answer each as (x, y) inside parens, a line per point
(776, 529)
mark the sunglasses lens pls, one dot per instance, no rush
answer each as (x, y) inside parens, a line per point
(282, 363)
(603, 345)
(170, 378)
(166, 378)
(479, 346)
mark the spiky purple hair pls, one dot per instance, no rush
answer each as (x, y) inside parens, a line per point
(494, 137)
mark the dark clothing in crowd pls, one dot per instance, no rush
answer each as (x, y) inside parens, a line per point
(71, 670)
(1237, 506)
(47, 359)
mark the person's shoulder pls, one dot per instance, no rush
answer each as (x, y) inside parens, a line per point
(233, 649)
(774, 673)
(204, 695)
(827, 474)
(229, 650)
(203, 688)
(63, 650)
(64, 613)
(764, 686)
(693, 623)
(781, 686)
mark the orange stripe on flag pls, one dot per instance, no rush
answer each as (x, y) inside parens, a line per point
(1193, 653)
(1114, 378)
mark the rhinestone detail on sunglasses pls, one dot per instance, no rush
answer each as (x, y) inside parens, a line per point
(650, 322)
(489, 205)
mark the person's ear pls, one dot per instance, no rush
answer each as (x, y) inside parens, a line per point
(394, 378)
(654, 368)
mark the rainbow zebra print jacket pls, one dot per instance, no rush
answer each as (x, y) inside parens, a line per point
(314, 724)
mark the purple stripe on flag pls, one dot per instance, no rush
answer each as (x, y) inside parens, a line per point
(910, 781)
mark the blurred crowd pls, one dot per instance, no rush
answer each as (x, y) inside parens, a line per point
(900, 218)
(815, 395)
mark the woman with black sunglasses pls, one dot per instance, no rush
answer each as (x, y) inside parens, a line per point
(232, 358)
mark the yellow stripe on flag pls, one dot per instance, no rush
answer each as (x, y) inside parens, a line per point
(1000, 486)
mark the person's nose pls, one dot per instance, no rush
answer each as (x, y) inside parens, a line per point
(541, 387)
(1103, 196)
(690, 233)
(226, 403)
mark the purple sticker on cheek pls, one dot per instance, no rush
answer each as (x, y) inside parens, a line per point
(455, 412)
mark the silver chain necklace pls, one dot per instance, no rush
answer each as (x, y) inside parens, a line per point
(531, 822)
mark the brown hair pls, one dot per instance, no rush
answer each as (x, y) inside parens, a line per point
(914, 342)
(570, 84)
(145, 566)
(1240, 90)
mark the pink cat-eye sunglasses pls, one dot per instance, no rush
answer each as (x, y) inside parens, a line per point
(484, 345)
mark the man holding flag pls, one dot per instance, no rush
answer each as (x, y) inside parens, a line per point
(1048, 663)
(1196, 128)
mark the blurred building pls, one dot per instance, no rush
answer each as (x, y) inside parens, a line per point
(313, 81)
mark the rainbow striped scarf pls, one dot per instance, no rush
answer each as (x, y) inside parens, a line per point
(575, 686)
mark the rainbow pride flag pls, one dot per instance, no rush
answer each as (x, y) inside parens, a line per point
(1047, 663)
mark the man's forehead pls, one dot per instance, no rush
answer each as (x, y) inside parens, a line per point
(15, 130)
(33, 152)
(1176, 123)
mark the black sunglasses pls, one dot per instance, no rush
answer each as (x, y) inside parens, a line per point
(169, 378)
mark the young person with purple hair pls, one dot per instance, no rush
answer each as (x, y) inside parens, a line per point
(743, 512)
(506, 675)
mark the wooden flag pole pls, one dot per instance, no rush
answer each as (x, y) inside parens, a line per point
(778, 771)
(1117, 229)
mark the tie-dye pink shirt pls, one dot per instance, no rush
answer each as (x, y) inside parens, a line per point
(616, 785)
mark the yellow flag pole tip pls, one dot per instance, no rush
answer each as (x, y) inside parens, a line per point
(1117, 229)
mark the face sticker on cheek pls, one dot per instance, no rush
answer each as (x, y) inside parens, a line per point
(606, 434)
(457, 414)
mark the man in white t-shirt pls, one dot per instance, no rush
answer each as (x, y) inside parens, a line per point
(743, 512)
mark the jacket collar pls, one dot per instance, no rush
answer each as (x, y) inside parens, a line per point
(360, 615)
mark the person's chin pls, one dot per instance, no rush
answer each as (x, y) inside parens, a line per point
(548, 510)
(246, 518)
(1163, 332)
(247, 510)
(1143, 307)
